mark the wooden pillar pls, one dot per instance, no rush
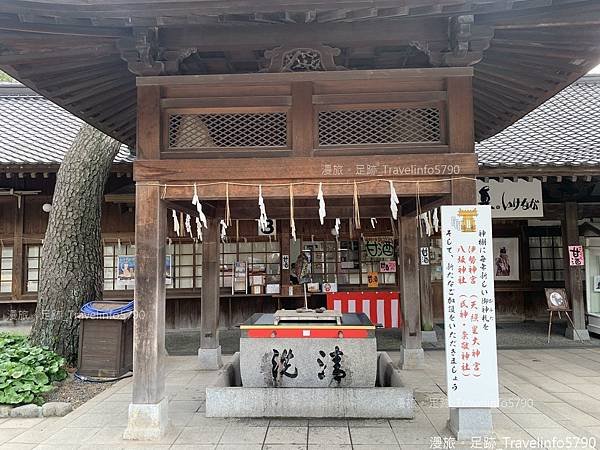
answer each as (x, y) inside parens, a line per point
(412, 356)
(464, 191)
(148, 410)
(425, 291)
(302, 118)
(284, 239)
(461, 134)
(209, 354)
(573, 275)
(18, 262)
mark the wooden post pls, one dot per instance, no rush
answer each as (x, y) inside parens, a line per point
(464, 191)
(148, 411)
(460, 115)
(209, 353)
(302, 119)
(284, 239)
(428, 333)
(411, 353)
(18, 262)
(573, 275)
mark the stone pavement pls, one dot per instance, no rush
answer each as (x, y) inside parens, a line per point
(553, 395)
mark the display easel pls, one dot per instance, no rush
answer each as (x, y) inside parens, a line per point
(566, 311)
(558, 303)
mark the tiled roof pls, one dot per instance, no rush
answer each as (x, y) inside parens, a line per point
(564, 131)
(33, 130)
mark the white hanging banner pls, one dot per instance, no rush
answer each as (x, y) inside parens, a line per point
(394, 201)
(511, 199)
(176, 226)
(469, 307)
(321, 199)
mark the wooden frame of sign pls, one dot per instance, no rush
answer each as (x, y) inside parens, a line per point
(558, 302)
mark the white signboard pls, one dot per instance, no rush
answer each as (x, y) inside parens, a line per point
(469, 307)
(511, 199)
(424, 252)
(269, 230)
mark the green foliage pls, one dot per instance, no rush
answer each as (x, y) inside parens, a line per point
(27, 371)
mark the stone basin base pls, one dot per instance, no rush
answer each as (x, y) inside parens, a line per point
(389, 400)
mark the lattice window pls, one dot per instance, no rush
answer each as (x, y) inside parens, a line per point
(379, 126)
(187, 131)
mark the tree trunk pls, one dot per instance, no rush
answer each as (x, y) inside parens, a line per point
(71, 270)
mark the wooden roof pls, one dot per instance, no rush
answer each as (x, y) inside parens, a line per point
(82, 54)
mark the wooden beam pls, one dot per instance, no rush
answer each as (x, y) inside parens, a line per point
(219, 38)
(305, 168)
(435, 73)
(14, 25)
(184, 190)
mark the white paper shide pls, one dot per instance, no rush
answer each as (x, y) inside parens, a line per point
(469, 307)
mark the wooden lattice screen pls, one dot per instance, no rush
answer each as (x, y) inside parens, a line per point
(379, 126)
(231, 130)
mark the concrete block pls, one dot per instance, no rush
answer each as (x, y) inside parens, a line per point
(412, 358)
(56, 409)
(467, 423)
(210, 358)
(147, 421)
(30, 410)
(387, 374)
(227, 399)
(310, 402)
(429, 337)
(344, 362)
(575, 335)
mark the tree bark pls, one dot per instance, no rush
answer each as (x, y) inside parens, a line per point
(71, 270)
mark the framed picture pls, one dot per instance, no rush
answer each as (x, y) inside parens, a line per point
(169, 270)
(597, 283)
(557, 299)
(506, 259)
(125, 271)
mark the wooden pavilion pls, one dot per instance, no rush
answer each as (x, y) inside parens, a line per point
(221, 97)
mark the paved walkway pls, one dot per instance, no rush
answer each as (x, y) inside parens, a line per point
(545, 394)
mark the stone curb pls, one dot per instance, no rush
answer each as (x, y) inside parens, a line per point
(50, 409)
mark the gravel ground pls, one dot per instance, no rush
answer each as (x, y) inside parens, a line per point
(75, 391)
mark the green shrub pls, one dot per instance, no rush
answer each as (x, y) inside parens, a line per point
(27, 371)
